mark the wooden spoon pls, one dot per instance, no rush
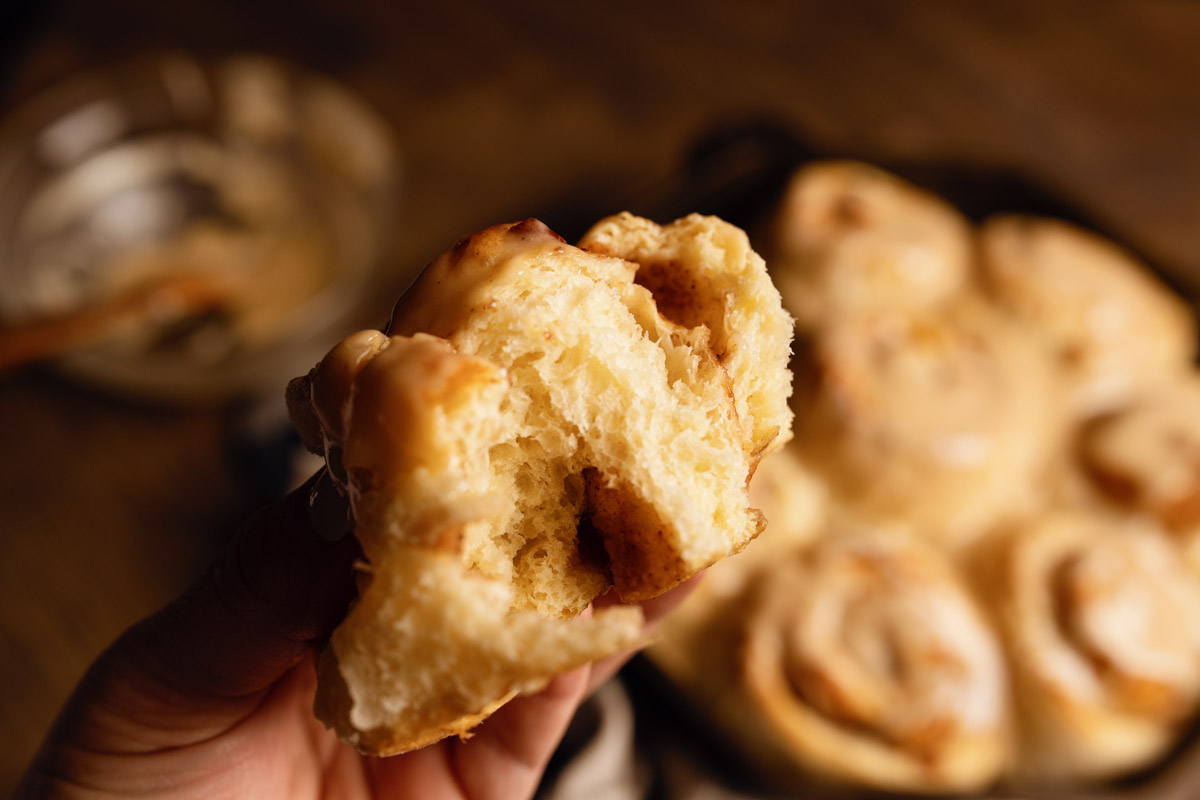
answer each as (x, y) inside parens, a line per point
(156, 301)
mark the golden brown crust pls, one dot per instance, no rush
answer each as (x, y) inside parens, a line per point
(464, 280)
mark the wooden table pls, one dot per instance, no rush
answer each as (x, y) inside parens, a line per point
(108, 507)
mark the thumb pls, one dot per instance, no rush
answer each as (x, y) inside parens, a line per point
(200, 665)
(274, 591)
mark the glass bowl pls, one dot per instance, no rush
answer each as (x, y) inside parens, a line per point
(245, 170)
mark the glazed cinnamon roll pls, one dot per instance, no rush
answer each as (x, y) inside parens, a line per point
(1145, 458)
(1113, 327)
(1102, 623)
(850, 238)
(539, 423)
(868, 663)
(944, 422)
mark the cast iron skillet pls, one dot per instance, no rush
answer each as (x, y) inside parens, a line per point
(738, 172)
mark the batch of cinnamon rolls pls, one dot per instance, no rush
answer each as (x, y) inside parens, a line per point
(982, 560)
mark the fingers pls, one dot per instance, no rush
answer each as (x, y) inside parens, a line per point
(503, 760)
(328, 508)
(514, 745)
(272, 592)
(202, 663)
(655, 610)
(508, 753)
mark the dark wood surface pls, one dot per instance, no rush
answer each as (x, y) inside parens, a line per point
(108, 507)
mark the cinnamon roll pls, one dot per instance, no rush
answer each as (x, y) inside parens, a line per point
(1145, 458)
(943, 422)
(850, 238)
(1113, 327)
(1102, 623)
(539, 423)
(867, 662)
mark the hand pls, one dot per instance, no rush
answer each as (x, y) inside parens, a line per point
(212, 696)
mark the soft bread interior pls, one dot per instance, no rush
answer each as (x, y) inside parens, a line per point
(536, 426)
(704, 275)
(428, 652)
(615, 414)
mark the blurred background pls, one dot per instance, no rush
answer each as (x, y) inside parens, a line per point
(112, 498)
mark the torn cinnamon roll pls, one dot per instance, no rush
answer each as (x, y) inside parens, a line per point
(540, 422)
